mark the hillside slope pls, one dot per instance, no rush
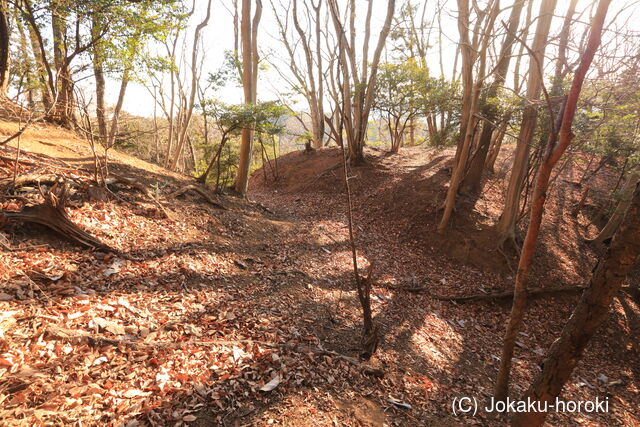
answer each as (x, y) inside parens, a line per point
(244, 315)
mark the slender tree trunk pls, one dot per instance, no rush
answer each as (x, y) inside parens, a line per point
(614, 222)
(113, 131)
(558, 142)
(506, 227)
(469, 56)
(248, 34)
(591, 311)
(64, 109)
(496, 144)
(5, 54)
(472, 181)
(42, 67)
(188, 108)
(98, 71)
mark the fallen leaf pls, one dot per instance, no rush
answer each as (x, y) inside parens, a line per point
(271, 384)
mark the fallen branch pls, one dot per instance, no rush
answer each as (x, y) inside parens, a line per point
(78, 337)
(21, 161)
(30, 178)
(413, 289)
(200, 191)
(509, 294)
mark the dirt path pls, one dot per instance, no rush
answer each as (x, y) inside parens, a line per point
(217, 306)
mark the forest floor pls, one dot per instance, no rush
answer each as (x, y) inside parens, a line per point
(241, 316)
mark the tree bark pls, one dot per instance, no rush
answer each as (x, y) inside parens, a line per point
(98, 71)
(5, 56)
(472, 181)
(506, 227)
(618, 215)
(472, 51)
(591, 311)
(248, 34)
(558, 142)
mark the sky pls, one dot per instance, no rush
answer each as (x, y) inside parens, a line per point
(218, 36)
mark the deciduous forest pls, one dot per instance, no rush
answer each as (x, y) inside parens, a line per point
(319, 213)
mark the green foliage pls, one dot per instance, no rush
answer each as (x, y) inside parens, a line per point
(229, 72)
(401, 89)
(264, 118)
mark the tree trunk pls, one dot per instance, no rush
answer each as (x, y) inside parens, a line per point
(64, 109)
(625, 200)
(182, 136)
(358, 89)
(28, 63)
(591, 311)
(248, 34)
(98, 71)
(5, 54)
(472, 181)
(507, 225)
(469, 56)
(42, 66)
(558, 142)
(496, 144)
(113, 131)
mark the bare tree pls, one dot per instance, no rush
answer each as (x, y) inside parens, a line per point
(188, 110)
(472, 50)
(489, 111)
(559, 139)
(308, 72)
(506, 226)
(358, 83)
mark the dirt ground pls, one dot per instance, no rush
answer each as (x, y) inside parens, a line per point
(243, 315)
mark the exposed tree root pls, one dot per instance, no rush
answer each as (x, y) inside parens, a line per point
(52, 215)
(208, 197)
(97, 340)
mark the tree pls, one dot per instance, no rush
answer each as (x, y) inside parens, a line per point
(592, 309)
(188, 110)
(249, 36)
(232, 120)
(489, 110)
(308, 71)
(560, 137)
(5, 57)
(506, 226)
(358, 83)
(400, 90)
(119, 52)
(66, 49)
(626, 196)
(473, 50)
